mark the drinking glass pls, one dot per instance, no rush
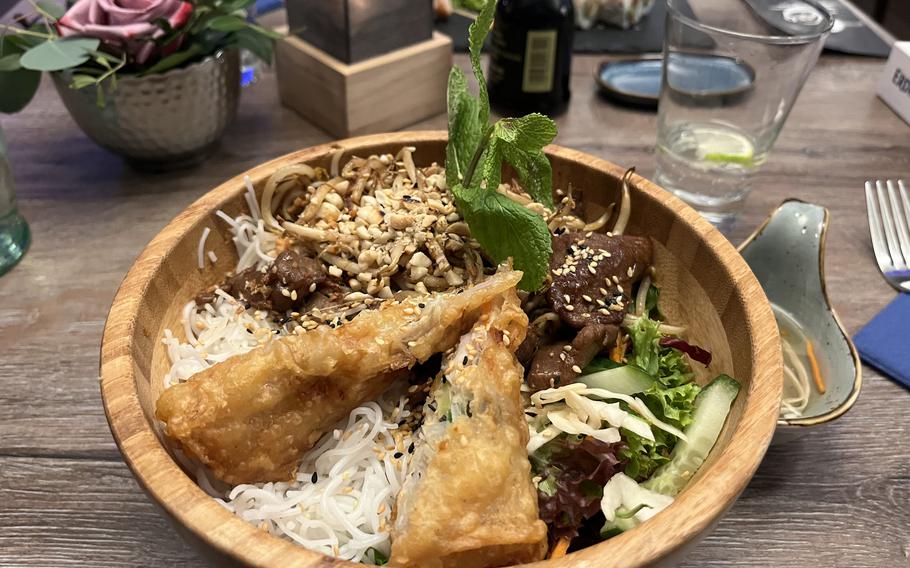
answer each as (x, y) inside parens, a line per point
(732, 70)
(14, 234)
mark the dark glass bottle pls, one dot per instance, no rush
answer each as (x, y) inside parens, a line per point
(531, 55)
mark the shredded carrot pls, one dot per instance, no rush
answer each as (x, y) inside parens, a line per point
(619, 350)
(560, 548)
(816, 374)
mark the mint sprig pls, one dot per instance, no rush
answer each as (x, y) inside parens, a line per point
(474, 159)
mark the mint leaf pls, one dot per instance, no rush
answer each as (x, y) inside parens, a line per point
(506, 229)
(523, 141)
(529, 133)
(534, 173)
(476, 36)
(491, 164)
(474, 157)
(465, 127)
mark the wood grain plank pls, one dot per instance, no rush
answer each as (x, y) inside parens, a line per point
(58, 512)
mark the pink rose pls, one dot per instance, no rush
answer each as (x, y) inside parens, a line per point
(127, 24)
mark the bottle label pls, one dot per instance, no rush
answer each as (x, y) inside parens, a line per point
(540, 61)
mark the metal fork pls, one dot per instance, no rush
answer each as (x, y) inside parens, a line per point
(888, 209)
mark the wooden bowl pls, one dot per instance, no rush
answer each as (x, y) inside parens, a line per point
(704, 284)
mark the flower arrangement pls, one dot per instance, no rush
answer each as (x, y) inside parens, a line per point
(94, 41)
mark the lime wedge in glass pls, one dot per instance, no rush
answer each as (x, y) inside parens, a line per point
(723, 146)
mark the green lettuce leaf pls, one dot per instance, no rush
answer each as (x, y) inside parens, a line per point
(645, 335)
(671, 398)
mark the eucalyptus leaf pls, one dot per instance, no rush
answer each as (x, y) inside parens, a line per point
(255, 43)
(233, 5)
(174, 60)
(81, 81)
(266, 31)
(59, 54)
(16, 43)
(53, 11)
(10, 62)
(17, 88)
(163, 24)
(227, 23)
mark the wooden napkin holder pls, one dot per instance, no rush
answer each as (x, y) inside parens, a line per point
(379, 94)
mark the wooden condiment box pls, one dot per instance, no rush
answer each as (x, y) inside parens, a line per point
(355, 30)
(379, 94)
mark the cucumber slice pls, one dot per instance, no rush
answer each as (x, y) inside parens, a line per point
(617, 526)
(627, 379)
(711, 409)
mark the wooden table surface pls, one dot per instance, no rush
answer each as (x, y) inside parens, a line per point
(839, 496)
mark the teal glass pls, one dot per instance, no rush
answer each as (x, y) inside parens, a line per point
(14, 233)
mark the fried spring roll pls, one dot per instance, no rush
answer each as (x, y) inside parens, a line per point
(468, 499)
(252, 417)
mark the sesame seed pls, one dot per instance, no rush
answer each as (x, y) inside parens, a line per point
(586, 298)
(313, 287)
(567, 348)
(576, 369)
(589, 233)
(618, 287)
(314, 478)
(294, 295)
(615, 279)
(397, 455)
(603, 291)
(562, 356)
(570, 307)
(567, 298)
(380, 341)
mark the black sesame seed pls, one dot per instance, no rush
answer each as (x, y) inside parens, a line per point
(397, 455)
(465, 360)
(314, 478)
(411, 448)
(421, 305)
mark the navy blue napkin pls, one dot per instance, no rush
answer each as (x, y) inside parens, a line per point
(885, 341)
